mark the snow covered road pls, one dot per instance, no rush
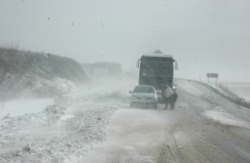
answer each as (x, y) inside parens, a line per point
(204, 127)
(97, 125)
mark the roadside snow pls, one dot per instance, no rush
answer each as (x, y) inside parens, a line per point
(65, 117)
(216, 87)
(20, 107)
(29, 86)
(62, 132)
(241, 89)
(226, 118)
(191, 87)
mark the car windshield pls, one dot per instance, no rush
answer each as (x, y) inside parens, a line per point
(144, 89)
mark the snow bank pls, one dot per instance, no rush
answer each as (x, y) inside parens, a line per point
(226, 118)
(213, 100)
(59, 133)
(216, 86)
(29, 86)
(242, 90)
(20, 107)
(190, 87)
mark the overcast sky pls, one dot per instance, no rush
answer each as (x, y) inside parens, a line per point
(203, 36)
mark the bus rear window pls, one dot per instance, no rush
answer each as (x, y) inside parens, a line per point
(156, 68)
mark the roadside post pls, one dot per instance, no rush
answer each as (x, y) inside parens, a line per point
(212, 75)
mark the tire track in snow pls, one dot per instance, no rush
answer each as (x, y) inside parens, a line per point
(169, 151)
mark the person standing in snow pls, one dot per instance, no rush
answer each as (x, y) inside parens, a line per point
(169, 97)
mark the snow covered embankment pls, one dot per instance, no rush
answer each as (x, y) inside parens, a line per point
(25, 74)
(51, 136)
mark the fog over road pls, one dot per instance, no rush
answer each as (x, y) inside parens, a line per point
(203, 127)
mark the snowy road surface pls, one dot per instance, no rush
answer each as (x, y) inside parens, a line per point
(203, 128)
(97, 125)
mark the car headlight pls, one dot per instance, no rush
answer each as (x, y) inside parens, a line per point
(154, 98)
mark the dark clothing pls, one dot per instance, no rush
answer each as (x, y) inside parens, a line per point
(170, 100)
(166, 103)
(173, 99)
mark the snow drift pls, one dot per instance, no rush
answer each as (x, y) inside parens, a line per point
(59, 133)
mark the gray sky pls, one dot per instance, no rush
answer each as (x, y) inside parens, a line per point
(203, 36)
